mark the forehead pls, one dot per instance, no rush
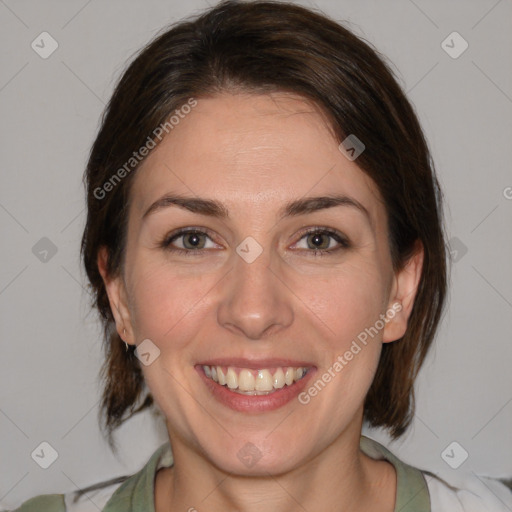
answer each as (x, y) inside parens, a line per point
(255, 151)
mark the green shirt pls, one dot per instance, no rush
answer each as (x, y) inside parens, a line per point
(136, 494)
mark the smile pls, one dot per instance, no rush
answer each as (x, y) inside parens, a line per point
(254, 382)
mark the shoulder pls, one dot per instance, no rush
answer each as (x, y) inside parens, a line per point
(43, 503)
(127, 493)
(464, 492)
(92, 499)
(455, 491)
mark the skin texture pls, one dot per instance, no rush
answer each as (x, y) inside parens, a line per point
(255, 153)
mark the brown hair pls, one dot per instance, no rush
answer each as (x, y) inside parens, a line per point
(259, 47)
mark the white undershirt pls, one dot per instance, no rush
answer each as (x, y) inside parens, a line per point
(468, 493)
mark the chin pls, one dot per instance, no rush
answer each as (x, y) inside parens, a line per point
(256, 458)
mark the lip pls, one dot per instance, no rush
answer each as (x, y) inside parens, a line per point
(255, 403)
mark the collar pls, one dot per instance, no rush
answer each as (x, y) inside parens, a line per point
(411, 487)
(137, 493)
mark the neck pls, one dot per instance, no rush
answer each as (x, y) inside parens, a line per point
(340, 478)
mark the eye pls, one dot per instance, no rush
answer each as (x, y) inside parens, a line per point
(192, 241)
(319, 241)
(188, 241)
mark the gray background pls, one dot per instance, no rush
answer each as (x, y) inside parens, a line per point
(50, 341)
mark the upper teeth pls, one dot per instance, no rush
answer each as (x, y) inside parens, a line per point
(254, 380)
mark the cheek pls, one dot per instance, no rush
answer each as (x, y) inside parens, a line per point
(346, 302)
(164, 302)
(348, 305)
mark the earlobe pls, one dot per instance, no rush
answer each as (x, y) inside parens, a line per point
(116, 292)
(404, 291)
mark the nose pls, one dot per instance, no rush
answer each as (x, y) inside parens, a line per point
(255, 300)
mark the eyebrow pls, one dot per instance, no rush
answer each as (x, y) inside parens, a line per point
(213, 208)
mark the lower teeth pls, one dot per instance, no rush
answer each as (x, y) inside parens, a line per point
(252, 393)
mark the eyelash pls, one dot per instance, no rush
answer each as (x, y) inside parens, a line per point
(166, 243)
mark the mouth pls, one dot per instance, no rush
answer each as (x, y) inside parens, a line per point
(257, 387)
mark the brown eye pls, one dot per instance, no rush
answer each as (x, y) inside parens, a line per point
(319, 241)
(188, 241)
(193, 240)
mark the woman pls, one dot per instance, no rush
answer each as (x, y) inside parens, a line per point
(264, 238)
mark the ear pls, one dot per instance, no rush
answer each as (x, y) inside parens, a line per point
(402, 296)
(116, 292)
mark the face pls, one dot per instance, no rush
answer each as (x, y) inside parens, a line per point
(267, 282)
